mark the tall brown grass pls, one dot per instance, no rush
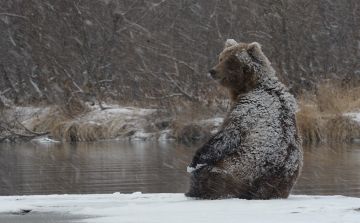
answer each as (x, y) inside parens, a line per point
(45, 122)
(186, 126)
(320, 117)
(77, 130)
(321, 113)
(67, 130)
(91, 131)
(70, 128)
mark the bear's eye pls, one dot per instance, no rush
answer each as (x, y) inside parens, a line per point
(230, 61)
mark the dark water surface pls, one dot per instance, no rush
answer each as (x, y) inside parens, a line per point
(150, 167)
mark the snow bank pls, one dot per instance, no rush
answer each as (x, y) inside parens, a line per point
(45, 140)
(139, 207)
(114, 122)
(354, 116)
(136, 121)
(214, 122)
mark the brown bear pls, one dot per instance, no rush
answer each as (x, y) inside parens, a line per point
(257, 153)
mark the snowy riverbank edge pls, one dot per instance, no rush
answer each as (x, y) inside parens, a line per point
(115, 123)
(139, 207)
(125, 123)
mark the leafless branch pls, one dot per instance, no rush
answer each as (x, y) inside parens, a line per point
(32, 132)
(14, 15)
(184, 93)
(164, 97)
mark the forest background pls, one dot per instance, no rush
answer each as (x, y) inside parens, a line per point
(155, 54)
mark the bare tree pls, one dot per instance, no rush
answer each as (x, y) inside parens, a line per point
(68, 52)
(11, 127)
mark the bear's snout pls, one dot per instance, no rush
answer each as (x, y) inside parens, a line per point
(212, 74)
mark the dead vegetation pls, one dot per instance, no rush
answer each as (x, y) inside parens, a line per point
(186, 126)
(326, 113)
(178, 119)
(13, 129)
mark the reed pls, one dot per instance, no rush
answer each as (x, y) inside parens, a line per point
(43, 123)
(68, 130)
(322, 114)
(91, 131)
(116, 127)
(185, 128)
(342, 128)
(309, 122)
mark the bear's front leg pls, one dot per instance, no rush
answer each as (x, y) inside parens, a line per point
(197, 161)
(216, 148)
(202, 157)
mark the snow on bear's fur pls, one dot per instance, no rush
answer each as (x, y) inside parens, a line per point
(257, 152)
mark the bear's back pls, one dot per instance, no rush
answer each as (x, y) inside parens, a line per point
(269, 141)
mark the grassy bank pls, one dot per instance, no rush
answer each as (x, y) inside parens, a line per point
(327, 114)
(187, 123)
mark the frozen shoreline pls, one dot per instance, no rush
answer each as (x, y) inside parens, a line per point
(131, 123)
(139, 207)
(117, 123)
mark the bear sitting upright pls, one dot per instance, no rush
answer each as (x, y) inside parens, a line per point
(257, 153)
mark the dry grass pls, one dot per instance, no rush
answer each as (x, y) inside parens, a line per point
(309, 122)
(90, 131)
(77, 130)
(67, 130)
(61, 126)
(116, 127)
(46, 122)
(336, 99)
(191, 132)
(184, 128)
(342, 128)
(320, 115)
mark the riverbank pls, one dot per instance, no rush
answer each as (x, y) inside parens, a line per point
(114, 122)
(331, 113)
(138, 207)
(131, 123)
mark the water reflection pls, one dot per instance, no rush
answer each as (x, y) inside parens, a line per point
(330, 169)
(93, 167)
(149, 167)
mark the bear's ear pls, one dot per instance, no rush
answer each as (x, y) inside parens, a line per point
(230, 42)
(243, 57)
(254, 49)
(254, 45)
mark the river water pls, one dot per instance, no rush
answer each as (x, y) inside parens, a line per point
(29, 168)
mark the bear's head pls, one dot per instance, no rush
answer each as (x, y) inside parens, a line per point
(241, 68)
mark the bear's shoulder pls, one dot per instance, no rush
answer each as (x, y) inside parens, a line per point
(261, 105)
(270, 92)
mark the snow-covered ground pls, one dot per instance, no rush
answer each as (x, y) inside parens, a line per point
(353, 116)
(159, 208)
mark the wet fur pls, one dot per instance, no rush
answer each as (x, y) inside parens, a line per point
(257, 152)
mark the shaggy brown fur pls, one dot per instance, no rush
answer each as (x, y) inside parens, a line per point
(230, 72)
(257, 153)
